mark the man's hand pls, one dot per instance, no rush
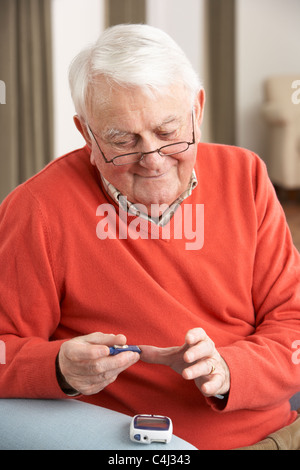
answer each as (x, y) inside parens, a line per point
(196, 360)
(85, 363)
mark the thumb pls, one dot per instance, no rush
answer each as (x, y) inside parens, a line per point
(95, 345)
(103, 339)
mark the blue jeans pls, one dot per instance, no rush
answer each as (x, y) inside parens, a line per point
(68, 425)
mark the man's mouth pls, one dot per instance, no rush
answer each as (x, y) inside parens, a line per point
(154, 176)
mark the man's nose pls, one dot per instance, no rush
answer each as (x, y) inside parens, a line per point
(152, 160)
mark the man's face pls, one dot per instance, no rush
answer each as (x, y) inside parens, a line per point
(129, 121)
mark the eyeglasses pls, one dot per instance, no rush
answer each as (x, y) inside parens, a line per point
(134, 157)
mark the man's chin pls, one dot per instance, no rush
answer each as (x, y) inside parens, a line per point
(155, 207)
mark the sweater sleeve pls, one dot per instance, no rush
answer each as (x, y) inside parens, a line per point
(29, 301)
(264, 372)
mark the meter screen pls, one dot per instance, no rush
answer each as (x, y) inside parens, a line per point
(148, 422)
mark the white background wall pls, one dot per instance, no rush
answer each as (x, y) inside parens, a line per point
(183, 20)
(268, 43)
(75, 24)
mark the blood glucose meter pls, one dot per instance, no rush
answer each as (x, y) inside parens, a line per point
(151, 428)
(113, 350)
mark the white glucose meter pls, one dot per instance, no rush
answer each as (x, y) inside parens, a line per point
(151, 428)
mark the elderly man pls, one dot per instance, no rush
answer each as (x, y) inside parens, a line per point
(146, 236)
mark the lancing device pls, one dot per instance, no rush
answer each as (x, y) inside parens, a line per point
(116, 349)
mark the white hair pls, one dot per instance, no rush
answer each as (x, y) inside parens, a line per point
(131, 55)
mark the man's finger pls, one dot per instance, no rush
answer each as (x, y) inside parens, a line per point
(102, 338)
(91, 347)
(76, 351)
(165, 356)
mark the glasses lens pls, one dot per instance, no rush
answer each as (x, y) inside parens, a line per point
(173, 149)
(127, 159)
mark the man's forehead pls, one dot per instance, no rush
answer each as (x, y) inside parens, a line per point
(112, 100)
(133, 113)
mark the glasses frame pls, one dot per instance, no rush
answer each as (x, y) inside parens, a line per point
(159, 150)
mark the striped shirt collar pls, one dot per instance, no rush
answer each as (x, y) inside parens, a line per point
(129, 207)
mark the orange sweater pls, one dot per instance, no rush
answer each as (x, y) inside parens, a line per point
(59, 279)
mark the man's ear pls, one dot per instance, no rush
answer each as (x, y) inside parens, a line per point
(199, 107)
(83, 130)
